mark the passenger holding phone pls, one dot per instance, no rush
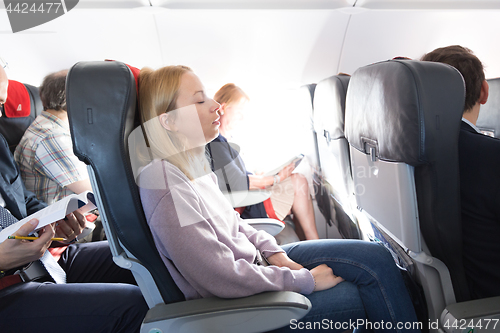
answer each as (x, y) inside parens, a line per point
(210, 251)
(289, 191)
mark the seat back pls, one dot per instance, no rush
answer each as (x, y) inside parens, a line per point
(489, 114)
(402, 123)
(306, 99)
(101, 99)
(22, 107)
(329, 116)
(307, 93)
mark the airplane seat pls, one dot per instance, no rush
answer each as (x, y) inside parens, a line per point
(101, 98)
(321, 197)
(306, 93)
(22, 107)
(402, 124)
(489, 114)
(336, 179)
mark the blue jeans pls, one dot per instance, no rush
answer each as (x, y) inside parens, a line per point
(373, 293)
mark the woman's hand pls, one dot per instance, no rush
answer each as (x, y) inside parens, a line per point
(16, 252)
(280, 259)
(324, 278)
(286, 171)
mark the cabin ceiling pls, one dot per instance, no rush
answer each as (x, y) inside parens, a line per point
(290, 42)
(293, 4)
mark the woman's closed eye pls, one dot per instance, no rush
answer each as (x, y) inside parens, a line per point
(201, 99)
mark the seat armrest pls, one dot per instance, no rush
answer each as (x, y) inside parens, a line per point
(483, 315)
(246, 198)
(257, 313)
(271, 226)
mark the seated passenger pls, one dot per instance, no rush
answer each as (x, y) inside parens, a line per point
(210, 251)
(98, 297)
(479, 163)
(45, 153)
(290, 192)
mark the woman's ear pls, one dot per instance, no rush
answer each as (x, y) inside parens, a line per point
(222, 109)
(167, 122)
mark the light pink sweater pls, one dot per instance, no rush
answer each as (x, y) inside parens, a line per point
(208, 249)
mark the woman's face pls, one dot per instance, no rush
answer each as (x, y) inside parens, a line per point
(197, 115)
(233, 116)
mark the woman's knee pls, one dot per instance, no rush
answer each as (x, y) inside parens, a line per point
(380, 252)
(377, 259)
(300, 183)
(371, 252)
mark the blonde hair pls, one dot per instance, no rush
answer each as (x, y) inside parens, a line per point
(158, 92)
(230, 94)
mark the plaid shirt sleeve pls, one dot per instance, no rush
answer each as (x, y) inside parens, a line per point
(54, 157)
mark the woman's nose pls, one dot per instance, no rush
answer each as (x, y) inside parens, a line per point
(217, 108)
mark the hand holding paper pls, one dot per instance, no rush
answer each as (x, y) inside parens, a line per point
(71, 226)
(82, 202)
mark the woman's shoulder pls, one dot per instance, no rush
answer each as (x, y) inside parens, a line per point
(159, 174)
(220, 138)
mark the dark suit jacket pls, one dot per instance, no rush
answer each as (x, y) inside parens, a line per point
(19, 201)
(231, 173)
(479, 157)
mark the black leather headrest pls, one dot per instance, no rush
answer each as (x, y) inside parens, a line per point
(424, 96)
(101, 99)
(489, 114)
(329, 105)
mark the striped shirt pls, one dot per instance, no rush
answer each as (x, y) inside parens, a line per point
(45, 157)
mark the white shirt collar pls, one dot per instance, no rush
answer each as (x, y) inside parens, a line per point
(471, 125)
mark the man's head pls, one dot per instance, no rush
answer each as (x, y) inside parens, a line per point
(53, 91)
(469, 66)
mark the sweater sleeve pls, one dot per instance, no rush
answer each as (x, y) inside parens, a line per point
(262, 240)
(213, 267)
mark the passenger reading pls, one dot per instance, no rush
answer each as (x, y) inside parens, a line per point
(84, 202)
(296, 159)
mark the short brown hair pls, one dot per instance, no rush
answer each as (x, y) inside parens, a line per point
(53, 91)
(467, 64)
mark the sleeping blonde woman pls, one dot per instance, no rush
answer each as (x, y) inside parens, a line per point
(210, 251)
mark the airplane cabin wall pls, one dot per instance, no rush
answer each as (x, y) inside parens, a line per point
(269, 53)
(380, 35)
(79, 35)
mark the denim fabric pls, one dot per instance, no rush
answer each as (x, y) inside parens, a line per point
(373, 290)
